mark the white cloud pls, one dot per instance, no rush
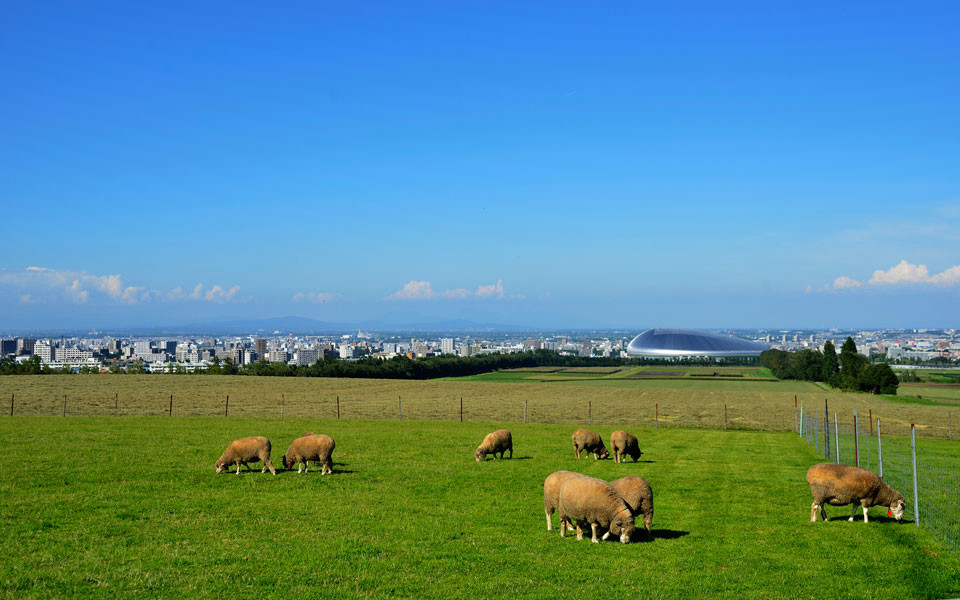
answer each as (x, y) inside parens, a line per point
(414, 290)
(844, 282)
(902, 274)
(318, 297)
(422, 290)
(132, 295)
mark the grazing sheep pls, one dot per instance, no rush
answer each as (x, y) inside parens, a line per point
(638, 495)
(498, 441)
(594, 501)
(840, 485)
(551, 492)
(623, 443)
(310, 447)
(589, 441)
(246, 450)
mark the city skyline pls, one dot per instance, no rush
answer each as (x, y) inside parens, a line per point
(525, 166)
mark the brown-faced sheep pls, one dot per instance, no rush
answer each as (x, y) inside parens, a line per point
(551, 492)
(623, 443)
(310, 447)
(246, 450)
(638, 495)
(594, 501)
(840, 485)
(498, 441)
(587, 440)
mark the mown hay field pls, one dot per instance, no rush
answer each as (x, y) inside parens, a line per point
(683, 402)
(131, 507)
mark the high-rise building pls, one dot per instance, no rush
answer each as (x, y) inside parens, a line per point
(45, 351)
(8, 347)
(307, 356)
(260, 347)
(446, 345)
(143, 347)
(25, 346)
(586, 348)
(278, 356)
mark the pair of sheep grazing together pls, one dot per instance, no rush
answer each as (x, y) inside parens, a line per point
(588, 500)
(309, 446)
(839, 485)
(623, 444)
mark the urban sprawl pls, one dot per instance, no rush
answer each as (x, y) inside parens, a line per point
(190, 353)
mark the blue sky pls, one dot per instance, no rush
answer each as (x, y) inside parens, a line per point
(552, 164)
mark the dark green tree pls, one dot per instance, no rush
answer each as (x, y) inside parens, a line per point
(879, 379)
(831, 365)
(851, 365)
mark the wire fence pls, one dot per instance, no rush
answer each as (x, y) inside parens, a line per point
(927, 475)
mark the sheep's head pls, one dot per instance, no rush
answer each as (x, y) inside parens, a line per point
(622, 527)
(479, 454)
(219, 465)
(287, 463)
(897, 508)
(603, 453)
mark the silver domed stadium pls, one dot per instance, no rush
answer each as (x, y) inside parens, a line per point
(676, 343)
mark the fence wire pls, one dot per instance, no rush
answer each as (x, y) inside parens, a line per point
(844, 441)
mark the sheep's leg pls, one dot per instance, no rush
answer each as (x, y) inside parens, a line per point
(823, 512)
(579, 531)
(813, 512)
(299, 467)
(549, 520)
(593, 529)
(238, 467)
(863, 503)
(564, 525)
(853, 512)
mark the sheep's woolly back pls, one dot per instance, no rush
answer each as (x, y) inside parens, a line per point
(636, 492)
(592, 500)
(551, 488)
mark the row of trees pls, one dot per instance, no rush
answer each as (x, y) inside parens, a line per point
(399, 367)
(850, 371)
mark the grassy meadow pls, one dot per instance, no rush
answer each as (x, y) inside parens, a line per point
(500, 397)
(101, 507)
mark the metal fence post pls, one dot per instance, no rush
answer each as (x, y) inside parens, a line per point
(871, 422)
(170, 414)
(64, 405)
(226, 409)
(399, 408)
(916, 493)
(836, 436)
(11, 403)
(802, 419)
(879, 449)
(856, 436)
(826, 430)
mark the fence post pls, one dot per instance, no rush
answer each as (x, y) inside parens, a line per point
(524, 411)
(724, 416)
(11, 403)
(282, 402)
(916, 494)
(816, 434)
(589, 412)
(226, 409)
(856, 436)
(871, 422)
(64, 405)
(836, 436)
(656, 417)
(826, 430)
(399, 407)
(879, 449)
(116, 404)
(338, 406)
(802, 419)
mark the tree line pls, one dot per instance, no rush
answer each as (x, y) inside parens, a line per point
(399, 367)
(851, 371)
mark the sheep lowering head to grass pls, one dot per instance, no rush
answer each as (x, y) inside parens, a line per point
(551, 492)
(638, 495)
(624, 444)
(584, 439)
(246, 450)
(309, 447)
(594, 501)
(839, 485)
(498, 441)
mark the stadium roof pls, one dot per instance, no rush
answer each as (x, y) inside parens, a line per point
(685, 342)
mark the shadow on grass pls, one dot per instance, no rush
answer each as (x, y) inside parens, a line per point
(666, 534)
(507, 458)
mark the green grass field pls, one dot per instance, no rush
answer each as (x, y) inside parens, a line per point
(98, 507)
